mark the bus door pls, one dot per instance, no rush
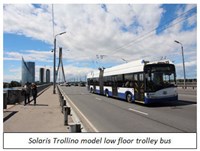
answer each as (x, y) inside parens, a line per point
(139, 87)
(114, 86)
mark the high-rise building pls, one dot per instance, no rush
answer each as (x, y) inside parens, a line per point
(42, 78)
(47, 75)
(28, 72)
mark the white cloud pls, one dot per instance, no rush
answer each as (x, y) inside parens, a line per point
(147, 17)
(72, 72)
(191, 21)
(30, 55)
(93, 31)
(28, 21)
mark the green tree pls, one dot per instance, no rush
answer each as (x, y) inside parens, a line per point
(15, 84)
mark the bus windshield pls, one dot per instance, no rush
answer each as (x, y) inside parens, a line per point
(159, 76)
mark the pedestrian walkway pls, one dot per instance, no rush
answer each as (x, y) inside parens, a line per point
(46, 116)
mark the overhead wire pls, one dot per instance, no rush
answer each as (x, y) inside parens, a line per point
(168, 24)
(163, 27)
(84, 54)
(180, 18)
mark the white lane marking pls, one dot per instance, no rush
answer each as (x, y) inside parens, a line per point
(98, 98)
(138, 111)
(86, 119)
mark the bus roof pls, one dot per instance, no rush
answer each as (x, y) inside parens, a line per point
(130, 67)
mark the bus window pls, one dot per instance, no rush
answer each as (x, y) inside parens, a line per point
(127, 84)
(141, 77)
(96, 81)
(157, 78)
(105, 79)
(135, 77)
(120, 78)
(160, 76)
(128, 77)
(131, 84)
(120, 81)
(91, 82)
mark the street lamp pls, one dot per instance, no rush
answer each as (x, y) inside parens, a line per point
(183, 60)
(54, 63)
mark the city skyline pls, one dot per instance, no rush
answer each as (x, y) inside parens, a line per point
(98, 35)
(44, 75)
(27, 72)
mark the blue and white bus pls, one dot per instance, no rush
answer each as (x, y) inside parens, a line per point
(137, 81)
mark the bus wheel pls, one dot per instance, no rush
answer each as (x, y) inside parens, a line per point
(107, 94)
(129, 97)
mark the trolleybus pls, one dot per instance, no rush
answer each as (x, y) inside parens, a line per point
(137, 81)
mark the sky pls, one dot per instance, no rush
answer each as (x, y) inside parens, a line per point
(97, 35)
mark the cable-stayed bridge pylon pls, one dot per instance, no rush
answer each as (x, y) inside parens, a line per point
(60, 64)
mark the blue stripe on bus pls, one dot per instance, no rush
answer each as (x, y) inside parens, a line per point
(122, 96)
(146, 101)
(97, 91)
(154, 100)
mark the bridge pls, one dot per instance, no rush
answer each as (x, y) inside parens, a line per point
(74, 109)
(118, 115)
(192, 85)
(18, 117)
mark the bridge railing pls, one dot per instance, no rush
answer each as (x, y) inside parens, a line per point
(192, 85)
(14, 95)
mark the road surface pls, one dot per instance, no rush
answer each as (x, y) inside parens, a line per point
(113, 115)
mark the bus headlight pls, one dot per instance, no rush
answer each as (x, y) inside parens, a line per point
(150, 95)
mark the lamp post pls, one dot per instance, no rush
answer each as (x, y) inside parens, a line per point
(54, 63)
(183, 60)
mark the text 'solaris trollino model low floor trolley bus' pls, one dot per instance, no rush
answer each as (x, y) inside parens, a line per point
(137, 81)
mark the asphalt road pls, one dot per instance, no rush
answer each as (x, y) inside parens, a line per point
(113, 115)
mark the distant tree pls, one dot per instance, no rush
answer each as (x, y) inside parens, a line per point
(15, 84)
(5, 85)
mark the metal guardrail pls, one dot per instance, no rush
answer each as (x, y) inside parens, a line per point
(192, 85)
(66, 110)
